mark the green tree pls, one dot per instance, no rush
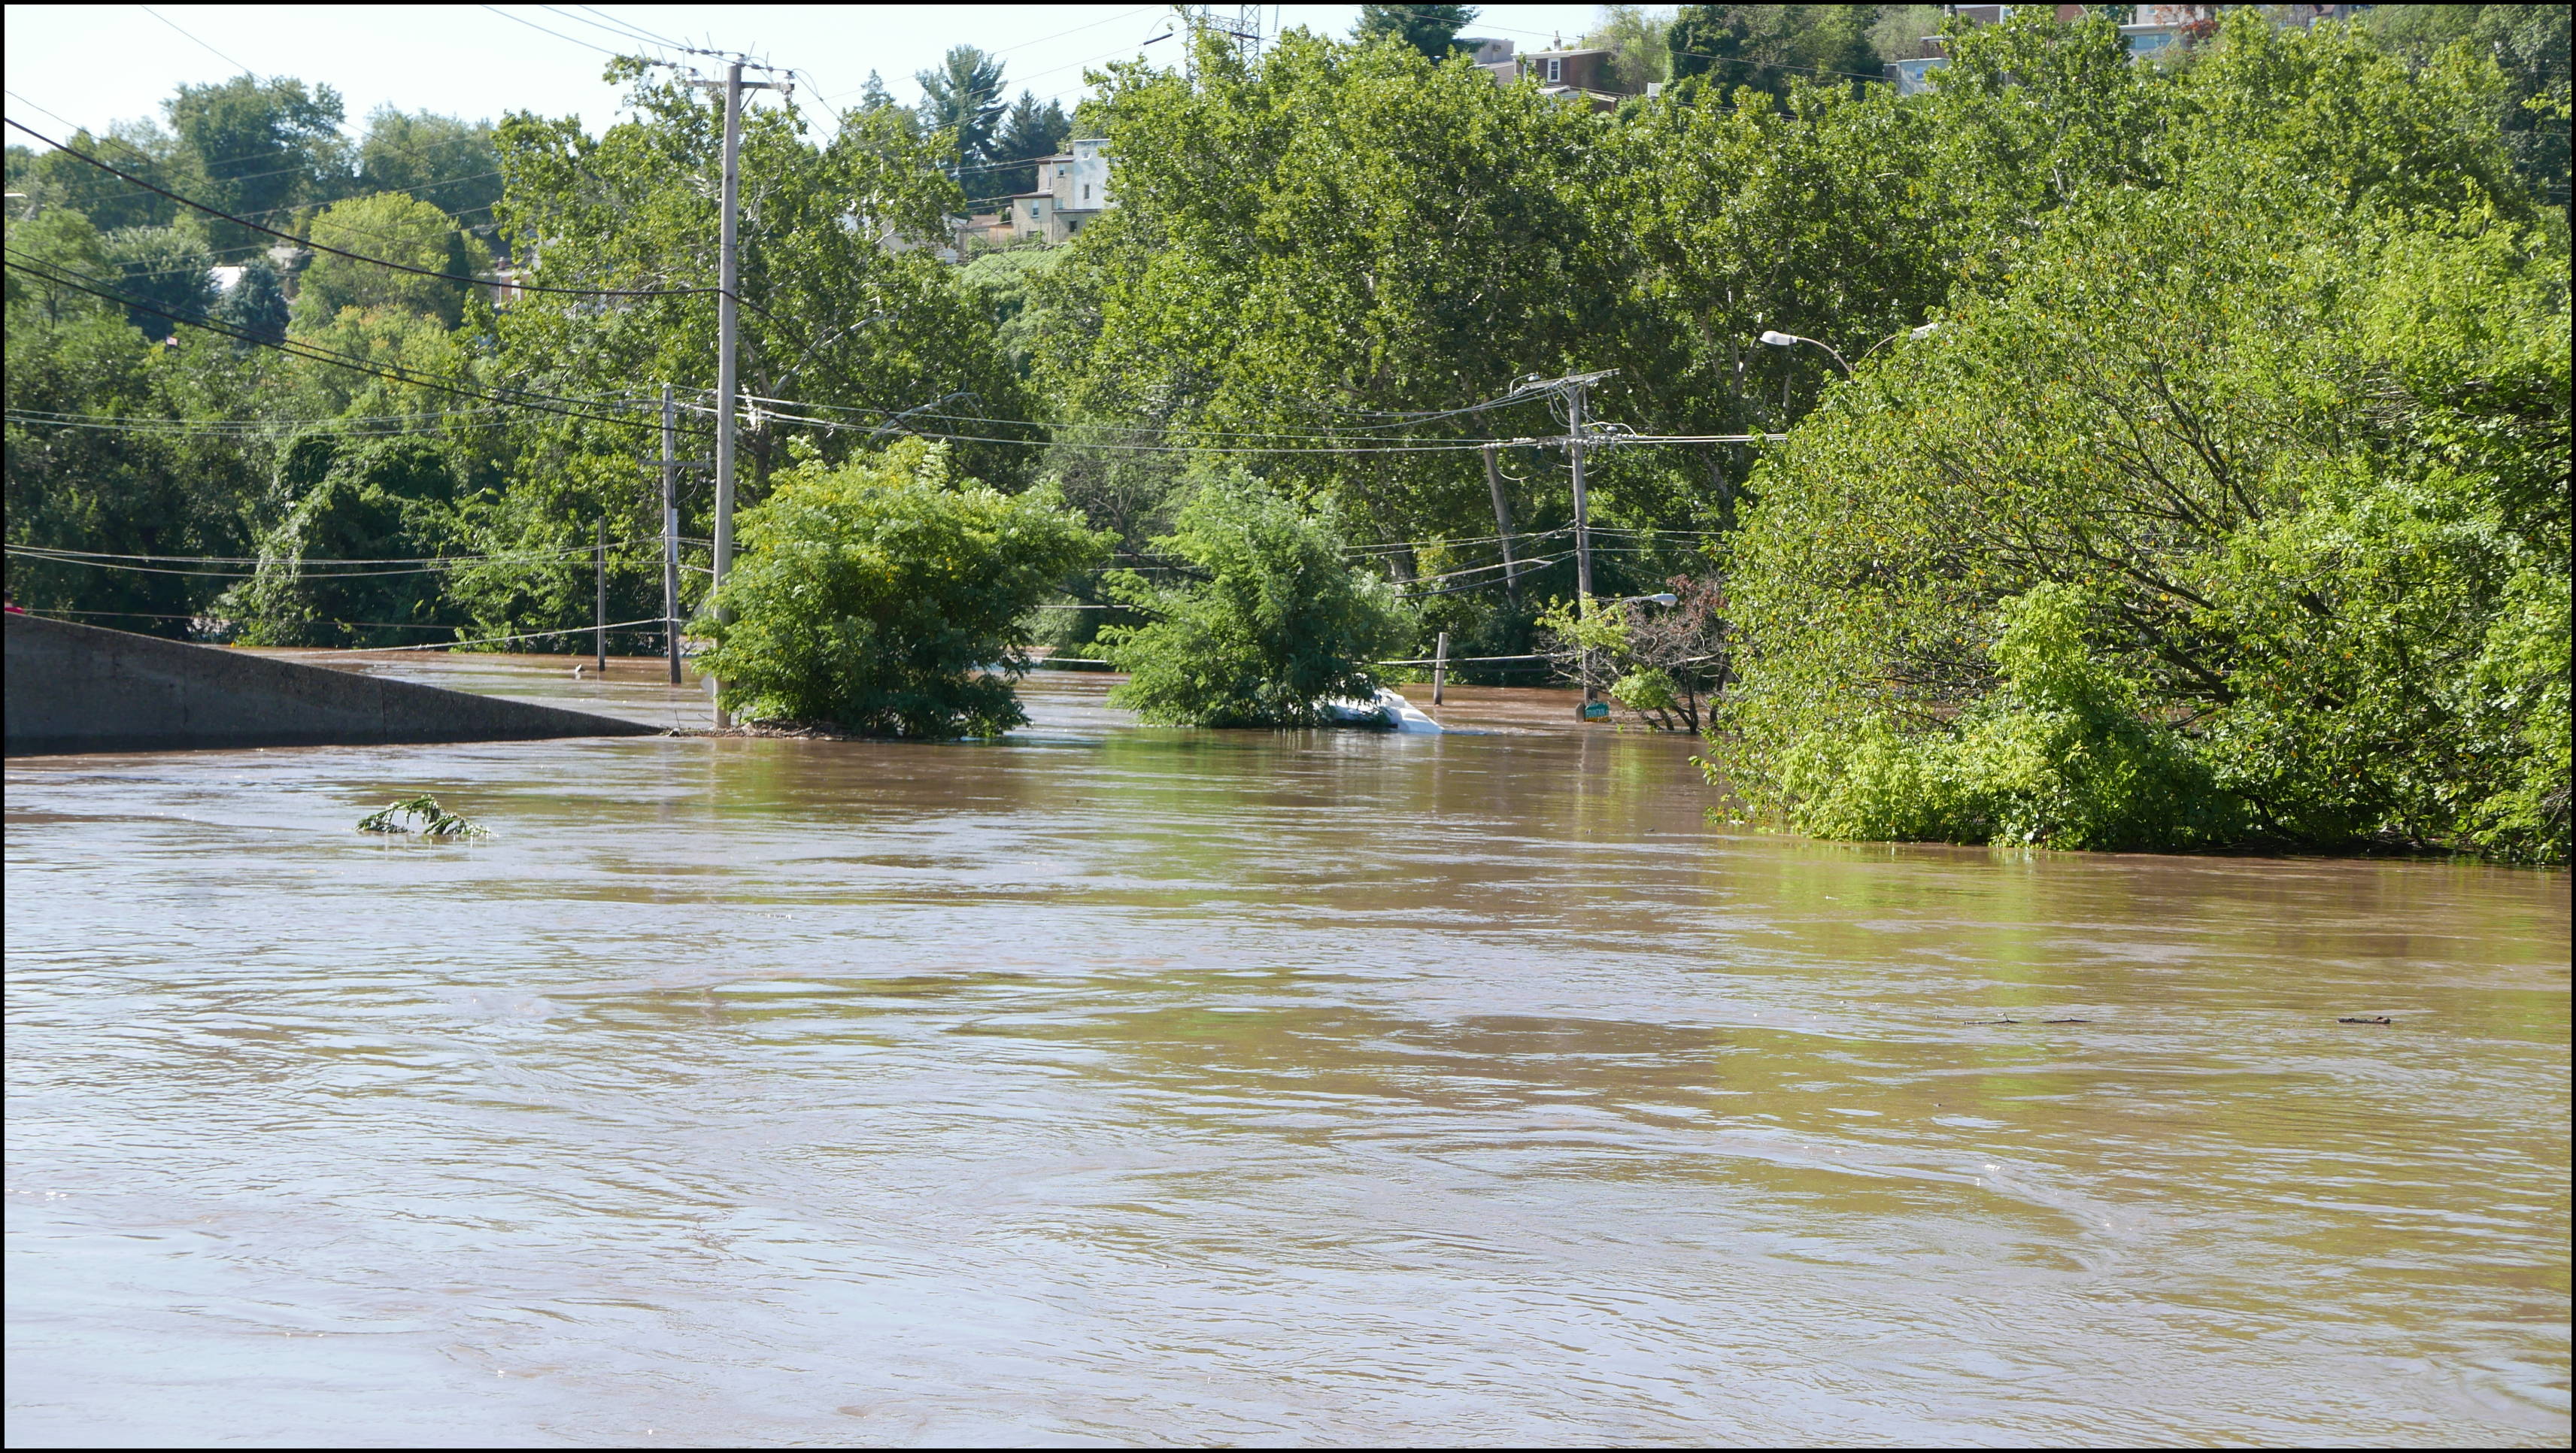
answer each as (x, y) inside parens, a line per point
(2262, 452)
(259, 149)
(1340, 254)
(385, 504)
(847, 322)
(444, 161)
(1635, 37)
(53, 178)
(1281, 624)
(107, 452)
(1715, 50)
(963, 98)
(166, 273)
(1429, 29)
(889, 596)
(2529, 43)
(396, 228)
(256, 304)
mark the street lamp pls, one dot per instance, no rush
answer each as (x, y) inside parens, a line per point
(1778, 339)
(1915, 334)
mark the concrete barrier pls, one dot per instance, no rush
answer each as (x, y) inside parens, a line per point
(85, 689)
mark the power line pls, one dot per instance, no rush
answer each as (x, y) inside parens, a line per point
(358, 256)
(110, 555)
(210, 161)
(620, 31)
(655, 37)
(557, 34)
(210, 50)
(294, 349)
(78, 279)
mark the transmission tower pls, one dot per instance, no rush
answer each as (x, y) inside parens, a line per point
(1239, 24)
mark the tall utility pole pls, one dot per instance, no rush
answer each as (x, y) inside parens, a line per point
(599, 564)
(1582, 514)
(1503, 522)
(728, 319)
(670, 537)
(1577, 435)
(728, 311)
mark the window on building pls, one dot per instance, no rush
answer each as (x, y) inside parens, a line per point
(1086, 191)
(1555, 69)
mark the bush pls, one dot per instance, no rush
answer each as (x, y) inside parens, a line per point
(2060, 754)
(888, 598)
(1281, 624)
(381, 502)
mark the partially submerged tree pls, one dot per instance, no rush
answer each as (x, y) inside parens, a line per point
(1662, 661)
(1277, 624)
(2239, 513)
(889, 596)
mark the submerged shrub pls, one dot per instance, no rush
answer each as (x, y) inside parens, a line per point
(1281, 624)
(2059, 754)
(889, 598)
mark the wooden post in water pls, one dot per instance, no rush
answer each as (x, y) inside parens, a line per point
(1439, 667)
(599, 563)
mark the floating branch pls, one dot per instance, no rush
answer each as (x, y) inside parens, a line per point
(435, 820)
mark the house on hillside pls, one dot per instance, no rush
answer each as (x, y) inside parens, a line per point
(1072, 192)
(1582, 73)
(2152, 30)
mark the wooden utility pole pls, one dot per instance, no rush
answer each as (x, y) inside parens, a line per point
(728, 320)
(1503, 522)
(1582, 514)
(670, 537)
(599, 565)
(1439, 667)
(729, 311)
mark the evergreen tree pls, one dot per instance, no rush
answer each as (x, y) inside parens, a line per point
(257, 303)
(1721, 47)
(1029, 131)
(964, 97)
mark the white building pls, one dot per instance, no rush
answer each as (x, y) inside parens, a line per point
(1072, 192)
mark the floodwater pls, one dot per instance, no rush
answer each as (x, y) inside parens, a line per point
(1113, 1085)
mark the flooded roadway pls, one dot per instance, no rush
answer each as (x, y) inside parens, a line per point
(1138, 1086)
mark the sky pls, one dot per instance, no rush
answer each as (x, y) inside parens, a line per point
(88, 65)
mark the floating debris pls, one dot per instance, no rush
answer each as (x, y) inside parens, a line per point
(2365, 1019)
(436, 821)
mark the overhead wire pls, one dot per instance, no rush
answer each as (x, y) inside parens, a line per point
(293, 348)
(557, 34)
(360, 256)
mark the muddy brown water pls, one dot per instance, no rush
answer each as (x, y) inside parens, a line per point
(1120, 1085)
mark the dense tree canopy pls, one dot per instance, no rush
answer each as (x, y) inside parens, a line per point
(2272, 450)
(2200, 477)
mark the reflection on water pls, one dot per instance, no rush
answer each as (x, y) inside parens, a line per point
(1142, 1086)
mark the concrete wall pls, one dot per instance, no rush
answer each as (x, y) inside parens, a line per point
(83, 689)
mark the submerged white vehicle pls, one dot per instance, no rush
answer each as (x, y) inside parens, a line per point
(1387, 711)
